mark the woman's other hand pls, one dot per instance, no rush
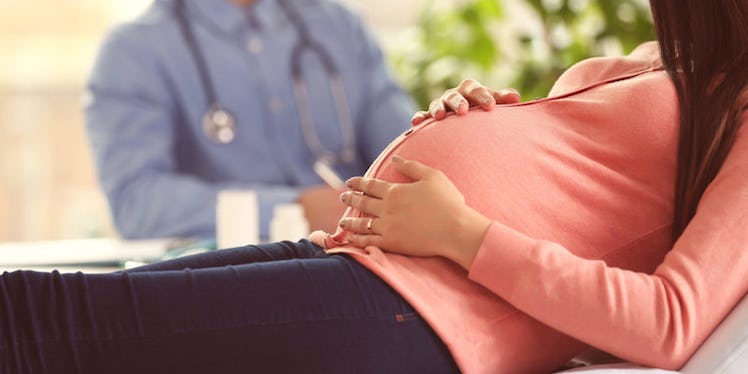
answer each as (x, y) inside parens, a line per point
(322, 207)
(427, 217)
(469, 93)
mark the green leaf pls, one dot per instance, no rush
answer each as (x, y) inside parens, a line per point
(469, 40)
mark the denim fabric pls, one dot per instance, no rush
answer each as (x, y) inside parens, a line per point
(276, 308)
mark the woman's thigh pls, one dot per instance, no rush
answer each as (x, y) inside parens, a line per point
(285, 250)
(325, 314)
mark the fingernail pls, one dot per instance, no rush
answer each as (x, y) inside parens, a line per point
(341, 223)
(343, 197)
(462, 107)
(489, 101)
(349, 183)
(397, 159)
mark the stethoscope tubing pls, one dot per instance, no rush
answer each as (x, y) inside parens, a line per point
(300, 91)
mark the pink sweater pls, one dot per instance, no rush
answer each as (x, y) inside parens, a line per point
(579, 187)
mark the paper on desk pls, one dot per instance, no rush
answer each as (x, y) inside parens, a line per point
(80, 251)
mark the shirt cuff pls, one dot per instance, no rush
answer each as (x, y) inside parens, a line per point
(502, 254)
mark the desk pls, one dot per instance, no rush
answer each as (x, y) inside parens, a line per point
(87, 255)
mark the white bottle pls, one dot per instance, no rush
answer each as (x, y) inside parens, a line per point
(237, 218)
(288, 223)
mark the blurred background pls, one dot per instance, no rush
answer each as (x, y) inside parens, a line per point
(48, 188)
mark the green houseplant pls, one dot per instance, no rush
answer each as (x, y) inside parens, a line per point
(524, 44)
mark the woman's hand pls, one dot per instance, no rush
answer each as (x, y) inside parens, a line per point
(427, 217)
(469, 93)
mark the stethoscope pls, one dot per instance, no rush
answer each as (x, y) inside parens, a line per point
(219, 124)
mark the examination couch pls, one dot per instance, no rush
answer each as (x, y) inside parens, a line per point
(724, 352)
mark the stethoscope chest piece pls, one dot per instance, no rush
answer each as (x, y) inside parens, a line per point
(219, 125)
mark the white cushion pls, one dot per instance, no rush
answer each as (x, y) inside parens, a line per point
(622, 368)
(726, 350)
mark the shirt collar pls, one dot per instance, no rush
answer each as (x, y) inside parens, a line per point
(228, 16)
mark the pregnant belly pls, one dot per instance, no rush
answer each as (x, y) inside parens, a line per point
(496, 159)
(547, 175)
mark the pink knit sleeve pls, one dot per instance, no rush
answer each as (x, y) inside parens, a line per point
(657, 319)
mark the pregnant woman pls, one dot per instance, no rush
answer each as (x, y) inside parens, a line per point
(611, 214)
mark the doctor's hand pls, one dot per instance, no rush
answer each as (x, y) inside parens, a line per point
(322, 207)
(469, 93)
(427, 217)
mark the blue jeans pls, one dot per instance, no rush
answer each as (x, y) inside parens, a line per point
(276, 308)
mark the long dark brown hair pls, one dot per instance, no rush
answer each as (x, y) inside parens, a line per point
(704, 47)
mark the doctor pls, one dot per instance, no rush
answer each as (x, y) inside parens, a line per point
(199, 96)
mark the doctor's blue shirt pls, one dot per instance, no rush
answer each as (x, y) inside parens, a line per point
(144, 111)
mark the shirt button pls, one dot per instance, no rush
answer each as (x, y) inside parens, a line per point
(254, 45)
(275, 104)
